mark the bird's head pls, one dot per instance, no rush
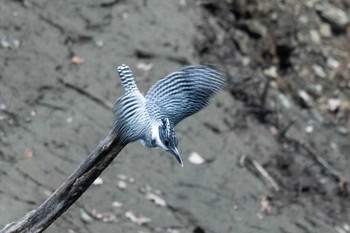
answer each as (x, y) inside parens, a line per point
(167, 139)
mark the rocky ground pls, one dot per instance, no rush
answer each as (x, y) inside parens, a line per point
(270, 154)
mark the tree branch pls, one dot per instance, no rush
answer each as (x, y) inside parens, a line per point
(38, 220)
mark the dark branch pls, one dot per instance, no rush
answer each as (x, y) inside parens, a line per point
(76, 184)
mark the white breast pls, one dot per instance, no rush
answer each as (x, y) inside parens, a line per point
(155, 135)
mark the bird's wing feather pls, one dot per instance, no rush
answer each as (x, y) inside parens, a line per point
(183, 93)
(132, 119)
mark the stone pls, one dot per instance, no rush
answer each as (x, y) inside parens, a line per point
(305, 99)
(325, 30)
(271, 72)
(332, 63)
(319, 71)
(315, 37)
(336, 17)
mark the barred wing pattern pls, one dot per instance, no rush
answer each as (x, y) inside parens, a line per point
(183, 93)
(127, 78)
(132, 120)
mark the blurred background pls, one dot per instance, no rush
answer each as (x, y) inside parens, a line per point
(270, 154)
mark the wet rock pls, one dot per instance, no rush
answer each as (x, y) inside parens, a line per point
(336, 17)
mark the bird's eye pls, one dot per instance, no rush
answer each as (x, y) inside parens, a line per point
(166, 143)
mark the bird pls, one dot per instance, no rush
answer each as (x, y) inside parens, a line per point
(153, 117)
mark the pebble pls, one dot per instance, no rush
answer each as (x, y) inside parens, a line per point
(257, 28)
(117, 204)
(9, 42)
(144, 66)
(99, 43)
(121, 184)
(284, 100)
(339, 229)
(325, 30)
(303, 19)
(309, 129)
(333, 104)
(242, 41)
(315, 36)
(156, 199)
(2, 106)
(85, 217)
(342, 130)
(319, 71)
(271, 72)
(170, 230)
(305, 98)
(69, 120)
(122, 177)
(332, 63)
(195, 158)
(245, 61)
(109, 218)
(98, 181)
(274, 16)
(77, 59)
(336, 17)
(138, 220)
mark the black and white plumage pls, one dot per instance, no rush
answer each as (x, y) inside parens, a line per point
(152, 118)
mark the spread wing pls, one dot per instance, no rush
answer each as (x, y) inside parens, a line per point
(183, 93)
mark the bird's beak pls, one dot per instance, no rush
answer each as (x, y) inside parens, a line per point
(176, 154)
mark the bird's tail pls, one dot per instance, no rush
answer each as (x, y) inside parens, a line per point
(127, 78)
